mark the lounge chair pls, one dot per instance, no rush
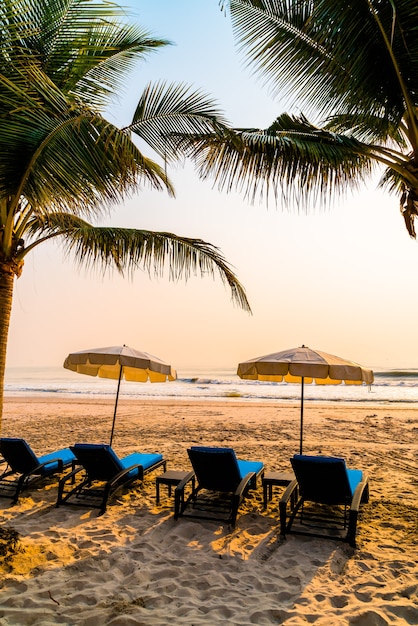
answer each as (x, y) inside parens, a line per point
(24, 468)
(324, 495)
(222, 482)
(102, 473)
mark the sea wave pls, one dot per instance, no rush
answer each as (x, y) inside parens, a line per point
(395, 385)
(396, 373)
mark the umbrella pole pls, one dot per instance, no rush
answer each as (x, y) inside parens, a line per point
(116, 405)
(301, 417)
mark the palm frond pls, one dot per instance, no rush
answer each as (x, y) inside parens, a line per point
(330, 55)
(293, 159)
(392, 181)
(126, 250)
(102, 69)
(66, 158)
(84, 47)
(355, 64)
(171, 109)
(369, 129)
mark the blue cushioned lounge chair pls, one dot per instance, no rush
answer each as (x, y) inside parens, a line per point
(102, 473)
(324, 495)
(24, 468)
(222, 482)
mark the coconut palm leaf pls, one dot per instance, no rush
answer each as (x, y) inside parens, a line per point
(292, 156)
(167, 109)
(352, 65)
(83, 46)
(70, 158)
(127, 249)
(331, 56)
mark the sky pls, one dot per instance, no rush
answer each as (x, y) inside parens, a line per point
(340, 280)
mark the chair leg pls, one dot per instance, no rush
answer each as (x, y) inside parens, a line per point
(63, 497)
(19, 488)
(104, 502)
(352, 528)
(235, 502)
(285, 523)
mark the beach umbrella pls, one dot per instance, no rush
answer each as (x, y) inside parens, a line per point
(119, 362)
(303, 365)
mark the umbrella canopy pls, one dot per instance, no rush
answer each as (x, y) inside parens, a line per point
(305, 366)
(119, 362)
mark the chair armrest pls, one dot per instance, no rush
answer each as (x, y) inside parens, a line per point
(41, 466)
(57, 460)
(71, 475)
(179, 494)
(239, 494)
(112, 483)
(156, 465)
(184, 481)
(361, 494)
(62, 497)
(248, 478)
(291, 493)
(125, 471)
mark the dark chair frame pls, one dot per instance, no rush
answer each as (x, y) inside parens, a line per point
(21, 460)
(219, 489)
(101, 477)
(323, 484)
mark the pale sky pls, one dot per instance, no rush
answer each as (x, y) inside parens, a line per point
(341, 281)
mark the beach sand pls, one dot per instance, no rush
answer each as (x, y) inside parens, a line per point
(135, 565)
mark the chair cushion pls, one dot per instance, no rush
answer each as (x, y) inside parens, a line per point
(22, 458)
(18, 454)
(249, 466)
(139, 458)
(216, 468)
(64, 454)
(114, 464)
(243, 466)
(319, 459)
(354, 477)
(213, 450)
(103, 462)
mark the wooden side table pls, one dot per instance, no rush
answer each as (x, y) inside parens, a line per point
(273, 479)
(172, 478)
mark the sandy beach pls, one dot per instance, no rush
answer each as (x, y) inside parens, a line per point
(135, 565)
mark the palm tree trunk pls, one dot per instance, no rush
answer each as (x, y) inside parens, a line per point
(6, 297)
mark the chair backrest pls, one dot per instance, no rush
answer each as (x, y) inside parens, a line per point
(18, 455)
(98, 459)
(322, 479)
(216, 469)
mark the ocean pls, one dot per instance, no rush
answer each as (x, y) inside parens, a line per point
(390, 386)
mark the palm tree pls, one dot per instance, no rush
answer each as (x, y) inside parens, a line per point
(63, 165)
(354, 66)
